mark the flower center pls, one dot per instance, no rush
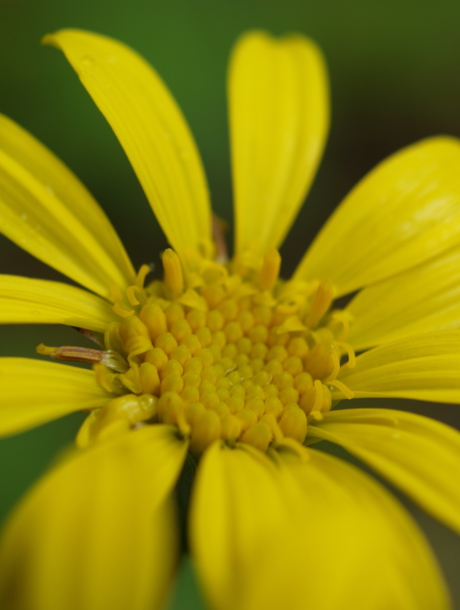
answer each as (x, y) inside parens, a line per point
(239, 356)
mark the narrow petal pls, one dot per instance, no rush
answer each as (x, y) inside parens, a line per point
(425, 367)
(415, 453)
(152, 131)
(279, 117)
(419, 300)
(46, 210)
(405, 211)
(27, 301)
(357, 548)
(34, 392)
(99, 530)
(293, 534)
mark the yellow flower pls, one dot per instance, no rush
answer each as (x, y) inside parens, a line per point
(223, 365)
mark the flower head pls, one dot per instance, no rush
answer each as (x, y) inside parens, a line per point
(229, 364)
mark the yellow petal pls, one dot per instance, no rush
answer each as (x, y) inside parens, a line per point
(425, 367)
(34, 392)
(46, 210)
(152, 131)
(28, 301)
(422, 299)
(417, 454)
(240, 532)
(357, 547)
(405, 211)
(99, 530)
(279, 116)
(292, 534)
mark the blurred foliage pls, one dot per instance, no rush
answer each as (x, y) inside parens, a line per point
(394, 79)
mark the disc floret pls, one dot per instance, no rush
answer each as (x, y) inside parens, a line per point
(238, 355)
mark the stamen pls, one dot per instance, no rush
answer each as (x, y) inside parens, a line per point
(277, 433)
(192, 299)
(236, 357)
(71, 353)
(319, 395)
(342, 387)
(351, 362)
(342, 318)
(268, 274)
(154, 318)
(321, 303)
(116, 417)
(121, 311)
(142, 274)
(218, 229)
(131, 294)
(108, 380)
(135, 336)
(336, 360)
(173, 275)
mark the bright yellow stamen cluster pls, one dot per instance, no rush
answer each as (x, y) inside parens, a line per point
(240, 356)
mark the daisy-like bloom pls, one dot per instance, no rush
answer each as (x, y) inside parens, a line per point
(226, 368)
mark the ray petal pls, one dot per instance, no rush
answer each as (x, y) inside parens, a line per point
(46, 210)
(419, 300)
(152, 131)
(424, 367)
(415, 453)
(404, 212)
(266, 535)
(279, 117)
(358, 547)
(238, 526)
(29, 301)
(34, 392)
(99, 530)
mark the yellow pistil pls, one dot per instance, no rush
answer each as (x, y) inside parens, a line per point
(238, 356)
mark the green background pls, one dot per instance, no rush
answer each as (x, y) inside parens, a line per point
(394, 69)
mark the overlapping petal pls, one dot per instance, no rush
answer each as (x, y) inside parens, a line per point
(34, 392)
(99, 530)
(152, 131)
(358, 547)
(417, 454)
(46, 210)
(279, 116)
(404, 212)
(424, 367)
(29, 301)
(419, 300)
(241, 533)
(265, 534)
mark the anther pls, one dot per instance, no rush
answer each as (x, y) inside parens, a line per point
(321, 303)
(135, 336)
(142, 274)
(269, 272)
(335, 383)
(71, 353)
(132, 293)
(154, 318)
(173, 275)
